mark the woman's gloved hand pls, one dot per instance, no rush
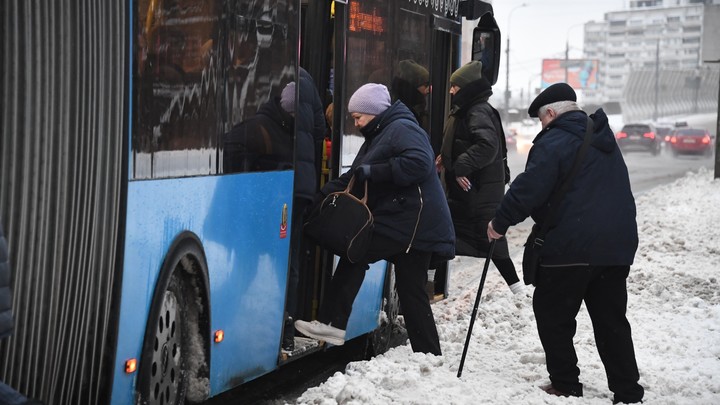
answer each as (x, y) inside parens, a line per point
(362, 172)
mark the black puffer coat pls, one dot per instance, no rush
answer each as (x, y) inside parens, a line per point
(311, 126)
(405, 191)
(595, 223)
(6, 319)
(478, 153)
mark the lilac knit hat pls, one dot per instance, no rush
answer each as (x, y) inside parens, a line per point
(371, 98)
(287, 98)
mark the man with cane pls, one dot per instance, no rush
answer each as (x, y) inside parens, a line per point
(589, 243)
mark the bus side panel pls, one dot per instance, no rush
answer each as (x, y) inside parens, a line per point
(238, 220)
(366, 308)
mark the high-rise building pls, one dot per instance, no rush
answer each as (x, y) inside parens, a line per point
(652, 51)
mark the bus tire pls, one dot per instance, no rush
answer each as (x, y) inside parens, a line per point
(175, 349)
(381, 339)
(167, 375)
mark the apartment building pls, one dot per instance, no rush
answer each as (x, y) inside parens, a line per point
(655, 39)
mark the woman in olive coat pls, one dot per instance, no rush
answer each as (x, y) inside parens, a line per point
(474, 159)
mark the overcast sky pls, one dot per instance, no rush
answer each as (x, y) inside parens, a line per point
(539, 31)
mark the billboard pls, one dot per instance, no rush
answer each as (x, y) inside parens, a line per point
(581, 73)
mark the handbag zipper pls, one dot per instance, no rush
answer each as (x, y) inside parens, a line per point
(416, 222)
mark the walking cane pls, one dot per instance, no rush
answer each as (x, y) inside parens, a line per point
(475, 308)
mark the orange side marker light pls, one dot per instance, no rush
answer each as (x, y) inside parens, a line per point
(219, 336)
(130, 366)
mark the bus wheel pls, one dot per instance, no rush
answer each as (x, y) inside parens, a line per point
(389, 333)
(166, 382)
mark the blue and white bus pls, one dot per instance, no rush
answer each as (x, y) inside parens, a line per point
(142, 272)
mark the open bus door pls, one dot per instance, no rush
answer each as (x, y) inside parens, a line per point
(485, 48)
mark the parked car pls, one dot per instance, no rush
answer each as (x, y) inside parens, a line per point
(691, 141)
(639, 137)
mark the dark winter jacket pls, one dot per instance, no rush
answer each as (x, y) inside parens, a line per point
(6, 319)
(263, 142)
(595, 223)
(478, 153)
(310, 117)
(404, 192)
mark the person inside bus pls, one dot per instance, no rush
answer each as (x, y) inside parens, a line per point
(311, 129)
(264, 142)
(8, 396)
(473, 161)
(411, 85)
(412, 220)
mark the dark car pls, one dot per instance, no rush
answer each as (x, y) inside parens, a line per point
(642, 137)
(691, 141)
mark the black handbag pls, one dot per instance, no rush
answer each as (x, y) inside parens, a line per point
(342, 224)
(532, 254)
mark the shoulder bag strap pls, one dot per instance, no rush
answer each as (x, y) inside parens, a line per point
(349, 187)
(560, 193)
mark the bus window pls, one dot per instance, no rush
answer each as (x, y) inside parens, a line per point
(260, 134)
(387, 42)
(176, 116)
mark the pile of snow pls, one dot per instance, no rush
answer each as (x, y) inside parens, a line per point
(674, 310)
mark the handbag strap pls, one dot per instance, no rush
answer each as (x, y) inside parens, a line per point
(350, 185)
(558, 195)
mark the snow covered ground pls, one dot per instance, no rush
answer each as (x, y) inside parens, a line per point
(674, 310)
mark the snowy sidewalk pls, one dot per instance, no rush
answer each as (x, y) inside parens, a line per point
(674, 310)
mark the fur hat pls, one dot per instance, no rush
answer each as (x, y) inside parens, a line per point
(467, 74)
(371, 99)
(556, 92)
(287, 98)
(413, 73)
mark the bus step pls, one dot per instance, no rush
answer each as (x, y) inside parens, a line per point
(303, 346)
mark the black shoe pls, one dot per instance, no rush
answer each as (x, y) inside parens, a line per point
(288, 342)
(627, 401)
(556, 392)
(552, 391)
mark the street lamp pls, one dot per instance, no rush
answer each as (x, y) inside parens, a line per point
(507, 66)
(567, 48)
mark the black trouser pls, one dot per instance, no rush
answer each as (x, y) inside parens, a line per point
(410, 275)
(558, 295)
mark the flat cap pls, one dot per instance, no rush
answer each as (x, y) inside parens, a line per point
(553, 94)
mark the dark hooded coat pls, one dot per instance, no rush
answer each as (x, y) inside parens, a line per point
(480, 154)
(413, 99)
(263, 142)
(6, 318)
(595, 223)
(404, 195)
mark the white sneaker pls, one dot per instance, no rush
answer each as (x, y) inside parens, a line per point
(517, 287)
(320, 331)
